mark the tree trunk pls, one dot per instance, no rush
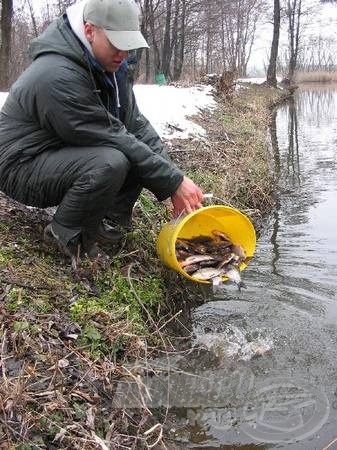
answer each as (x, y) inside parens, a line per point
(271, 72)
(156, 53)
(294, 18)
(209, 46)
(179, 49)
(167, 48)
(5, 47)
(32, 16)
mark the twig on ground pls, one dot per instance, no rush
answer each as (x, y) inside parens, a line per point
(330, 444)
(150, 431)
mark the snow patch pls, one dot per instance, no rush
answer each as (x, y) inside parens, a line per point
(168, 108)
(258, 80)
(252, 80)
(3, 96)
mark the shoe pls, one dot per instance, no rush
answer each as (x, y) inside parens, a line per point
(75, 248)
(120, 221)
(72, 249)
(110, 235)
(90, 247)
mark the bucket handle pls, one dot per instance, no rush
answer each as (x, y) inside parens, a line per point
(252, 212)
(210, 197)
(207, 197)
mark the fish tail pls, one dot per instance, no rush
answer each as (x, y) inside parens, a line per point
(241, 285)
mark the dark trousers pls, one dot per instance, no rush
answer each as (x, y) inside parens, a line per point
(87, 183)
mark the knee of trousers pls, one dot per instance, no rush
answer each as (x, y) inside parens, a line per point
(109, 170)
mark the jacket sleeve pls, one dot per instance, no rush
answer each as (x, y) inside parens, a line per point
(68, 107)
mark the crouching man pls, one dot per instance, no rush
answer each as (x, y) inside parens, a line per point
(71, 133)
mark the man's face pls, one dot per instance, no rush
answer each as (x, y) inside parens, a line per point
(106, 54)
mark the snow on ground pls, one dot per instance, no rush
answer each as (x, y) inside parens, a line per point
(252, 80)
(168, 108)
(259, 80)
(3, 96)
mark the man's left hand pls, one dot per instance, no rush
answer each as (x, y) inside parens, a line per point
(187, 198)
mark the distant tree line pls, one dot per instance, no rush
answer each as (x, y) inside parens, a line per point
(301, 53)
(188, 38)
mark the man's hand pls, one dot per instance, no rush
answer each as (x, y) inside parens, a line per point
(187, 197)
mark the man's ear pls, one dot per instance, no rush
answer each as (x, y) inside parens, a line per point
(89, 31)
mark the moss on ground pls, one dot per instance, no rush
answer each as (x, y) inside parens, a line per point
(65, 336)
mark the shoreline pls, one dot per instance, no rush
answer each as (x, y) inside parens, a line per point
(66, 339)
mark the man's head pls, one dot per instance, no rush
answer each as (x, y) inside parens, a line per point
(112, 28)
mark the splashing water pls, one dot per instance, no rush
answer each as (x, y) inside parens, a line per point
(234, 342)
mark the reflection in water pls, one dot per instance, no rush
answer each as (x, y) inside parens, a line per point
(276, 213)
(317, 104)
(293, 161)
(292, 168)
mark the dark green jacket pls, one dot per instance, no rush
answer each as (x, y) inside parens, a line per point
(58, 102)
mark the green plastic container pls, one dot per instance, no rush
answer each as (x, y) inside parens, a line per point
(160, 79)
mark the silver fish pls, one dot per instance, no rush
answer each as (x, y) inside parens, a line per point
(227, 259)
(233, 274)
(194, 259)
(207, 273)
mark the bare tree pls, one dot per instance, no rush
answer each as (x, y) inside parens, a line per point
(179, 41)
(237, 31)
(5, 47)
(32, 16)
(294, 13)
(167, 43)
(21, 36)
(153, 7)
(271, 72)
(318, 53)
(186, 37)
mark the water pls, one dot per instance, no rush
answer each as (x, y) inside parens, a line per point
(265, 372)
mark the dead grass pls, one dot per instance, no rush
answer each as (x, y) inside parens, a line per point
(67, 338)
(234, 162)
(318, 76)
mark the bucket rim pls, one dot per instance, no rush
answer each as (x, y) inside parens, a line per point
(181, 222)
(186, 218)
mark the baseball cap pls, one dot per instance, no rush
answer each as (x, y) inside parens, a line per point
(120, 21)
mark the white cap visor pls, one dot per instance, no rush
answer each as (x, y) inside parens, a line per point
(126, 40)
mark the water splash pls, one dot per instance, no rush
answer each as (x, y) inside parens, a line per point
(234, 342)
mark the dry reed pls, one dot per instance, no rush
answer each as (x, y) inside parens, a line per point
(317, 76)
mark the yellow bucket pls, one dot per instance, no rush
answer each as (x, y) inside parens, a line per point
(203, 221)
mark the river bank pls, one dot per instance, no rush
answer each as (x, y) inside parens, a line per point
(66, 338)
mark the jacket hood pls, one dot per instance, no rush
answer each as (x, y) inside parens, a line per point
(58, 38)
(75, 17)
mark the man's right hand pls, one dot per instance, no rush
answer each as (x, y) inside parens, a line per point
(187, 198)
